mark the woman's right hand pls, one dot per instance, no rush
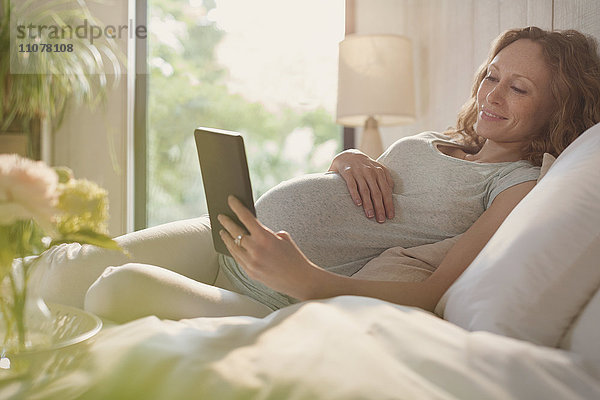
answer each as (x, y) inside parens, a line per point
(370, 183)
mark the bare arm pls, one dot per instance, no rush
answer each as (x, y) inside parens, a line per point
(275, 260)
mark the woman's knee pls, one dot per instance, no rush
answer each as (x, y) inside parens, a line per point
(181, 246)
(119, 290)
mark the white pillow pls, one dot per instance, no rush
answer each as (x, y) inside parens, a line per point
(541, 267)
(583, 335)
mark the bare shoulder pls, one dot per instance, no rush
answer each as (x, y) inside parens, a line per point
(510, 197)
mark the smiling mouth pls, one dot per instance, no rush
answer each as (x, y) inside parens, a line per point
(492, 115)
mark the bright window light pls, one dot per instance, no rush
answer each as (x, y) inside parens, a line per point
(264, 68)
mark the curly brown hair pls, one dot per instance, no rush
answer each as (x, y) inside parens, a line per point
(575, 65)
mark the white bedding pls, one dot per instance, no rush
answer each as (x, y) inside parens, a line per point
(342, 348)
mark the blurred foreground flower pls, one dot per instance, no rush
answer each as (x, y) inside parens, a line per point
(39, 208)
(83, 211)
(28, 190)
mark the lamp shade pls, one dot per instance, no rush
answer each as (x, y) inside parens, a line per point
(375, 79)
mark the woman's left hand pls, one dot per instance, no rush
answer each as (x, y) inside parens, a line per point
(271, 258)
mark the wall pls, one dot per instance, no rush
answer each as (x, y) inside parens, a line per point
(451, 39)
(93, 143)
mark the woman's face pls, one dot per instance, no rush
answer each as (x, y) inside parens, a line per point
(514, 99)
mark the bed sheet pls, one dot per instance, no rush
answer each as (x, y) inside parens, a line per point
(342, 348)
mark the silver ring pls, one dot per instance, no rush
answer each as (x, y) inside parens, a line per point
(238, 240)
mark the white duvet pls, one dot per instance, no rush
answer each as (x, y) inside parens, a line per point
(342, 348)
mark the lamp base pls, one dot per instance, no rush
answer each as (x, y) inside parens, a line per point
(371, 143)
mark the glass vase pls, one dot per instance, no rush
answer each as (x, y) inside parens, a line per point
(25, 320)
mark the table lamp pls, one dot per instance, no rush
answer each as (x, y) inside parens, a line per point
(375, 86)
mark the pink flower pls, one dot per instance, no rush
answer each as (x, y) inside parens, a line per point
(28, 190)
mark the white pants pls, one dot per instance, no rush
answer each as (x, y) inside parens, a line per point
(170, 271)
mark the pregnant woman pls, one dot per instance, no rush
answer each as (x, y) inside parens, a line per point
(535, 94)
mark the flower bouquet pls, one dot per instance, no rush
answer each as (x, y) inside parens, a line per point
(39, 207)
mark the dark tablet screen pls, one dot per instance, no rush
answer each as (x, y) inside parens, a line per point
(224, 172)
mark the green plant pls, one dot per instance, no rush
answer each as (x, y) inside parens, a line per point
(52, 79)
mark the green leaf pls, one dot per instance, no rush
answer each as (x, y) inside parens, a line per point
(89, 237)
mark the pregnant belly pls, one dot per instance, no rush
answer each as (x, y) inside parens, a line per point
(329, 228)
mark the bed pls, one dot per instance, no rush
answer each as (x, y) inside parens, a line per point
(520, 322)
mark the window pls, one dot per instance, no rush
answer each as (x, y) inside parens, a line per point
(264, 68)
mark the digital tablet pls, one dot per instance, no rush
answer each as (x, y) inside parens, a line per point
(224, 172)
